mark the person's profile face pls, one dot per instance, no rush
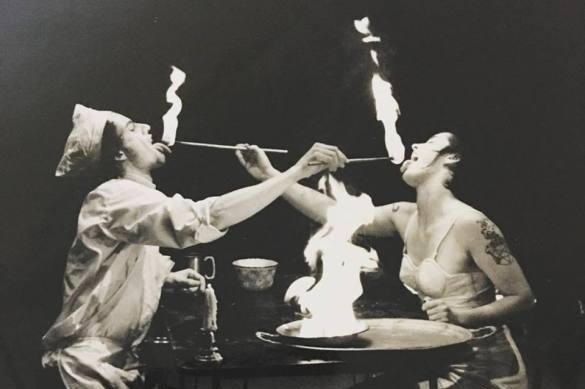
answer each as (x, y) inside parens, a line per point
(423, 157)
(137, 143)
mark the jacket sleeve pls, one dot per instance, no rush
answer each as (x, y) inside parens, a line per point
(141, 215)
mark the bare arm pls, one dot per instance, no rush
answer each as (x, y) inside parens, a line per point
(240, 204)
(308, 201)
(486, 244)
(389, 219)
(234, 207)
(130, 213)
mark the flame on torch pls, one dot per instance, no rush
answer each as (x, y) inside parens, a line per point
(330, 301)
(170, 119)
(387, 112)
(387, 109)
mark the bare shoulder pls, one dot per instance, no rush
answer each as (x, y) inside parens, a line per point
(402, 208)
(389, 219)
(480, 234)
(399, 213)
(399, 209)
(472, 221)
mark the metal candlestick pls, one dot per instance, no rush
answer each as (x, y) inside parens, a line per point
(208, 352)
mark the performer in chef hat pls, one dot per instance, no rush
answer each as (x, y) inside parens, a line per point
(114, 272)
(83, 146)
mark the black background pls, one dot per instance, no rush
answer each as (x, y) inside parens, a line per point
(506, 76)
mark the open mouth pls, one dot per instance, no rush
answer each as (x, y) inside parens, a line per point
(405, 165)
(161, 148)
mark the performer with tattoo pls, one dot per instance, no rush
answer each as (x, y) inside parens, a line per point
(455, 259)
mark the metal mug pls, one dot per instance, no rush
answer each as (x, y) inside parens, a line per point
(196, 261)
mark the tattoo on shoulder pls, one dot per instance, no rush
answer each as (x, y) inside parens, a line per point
(496, 247)
(395, 208)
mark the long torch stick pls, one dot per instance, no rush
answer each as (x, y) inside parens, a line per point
(356, 160)
(227, 147)
(276, 151)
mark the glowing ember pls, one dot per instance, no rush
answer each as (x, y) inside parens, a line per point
(387, 109)
(330, 301)
(170, 119)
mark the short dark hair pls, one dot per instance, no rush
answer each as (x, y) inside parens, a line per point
(454, 148)
(111, 144)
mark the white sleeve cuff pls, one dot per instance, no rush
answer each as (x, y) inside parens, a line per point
(206, 232)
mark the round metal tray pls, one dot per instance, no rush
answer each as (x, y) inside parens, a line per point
(291, 331)
(382, 335)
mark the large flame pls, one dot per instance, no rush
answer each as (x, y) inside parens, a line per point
(170, 119)
(387, 109)
(330, 301)
(387, 112)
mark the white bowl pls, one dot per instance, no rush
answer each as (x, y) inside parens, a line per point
(255, 273)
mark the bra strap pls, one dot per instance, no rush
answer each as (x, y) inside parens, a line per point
(445, 236)
(404, 250)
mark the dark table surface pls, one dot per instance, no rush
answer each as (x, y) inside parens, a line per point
(241, 313)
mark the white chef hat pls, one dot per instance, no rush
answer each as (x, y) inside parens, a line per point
(83, 147)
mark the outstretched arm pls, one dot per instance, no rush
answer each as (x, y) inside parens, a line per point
(308, 201)
(236, 206)
(135, 214)
(388, 220)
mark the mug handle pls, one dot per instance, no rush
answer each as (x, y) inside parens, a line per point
(212, 276)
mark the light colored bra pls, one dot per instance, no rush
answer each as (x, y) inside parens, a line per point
(429, 280)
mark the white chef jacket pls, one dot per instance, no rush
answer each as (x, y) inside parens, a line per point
(114, 276)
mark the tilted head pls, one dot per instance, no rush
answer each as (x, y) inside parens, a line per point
(437, 159)
(105, 144)
(128, 145)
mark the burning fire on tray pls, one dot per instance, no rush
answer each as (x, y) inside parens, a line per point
(328, 298)
(328, 301)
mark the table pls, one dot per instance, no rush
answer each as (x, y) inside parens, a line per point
(241, 313)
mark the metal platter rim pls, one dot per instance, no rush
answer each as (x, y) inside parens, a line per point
(466, 335)
(280, 330)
